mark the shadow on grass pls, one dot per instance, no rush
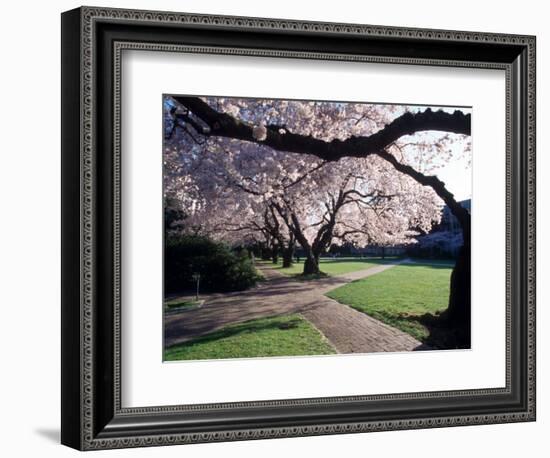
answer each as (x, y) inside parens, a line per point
(432, 263)
(180, 304)
(339, 260)
(366, 260)
(442, 334)
(250, 326)
(309, 277)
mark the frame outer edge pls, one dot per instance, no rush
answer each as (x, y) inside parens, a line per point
(307, 26)
(88, 225)
(531, 226)
(71, 306)
(83, 370)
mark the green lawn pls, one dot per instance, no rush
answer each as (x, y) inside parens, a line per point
(399, 295)
(289, 335)
(178, 303)
(330, 266)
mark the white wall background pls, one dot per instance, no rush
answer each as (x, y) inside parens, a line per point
(30, 240)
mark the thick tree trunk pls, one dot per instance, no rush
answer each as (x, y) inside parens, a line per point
(265, 253)
(275, 254)
(288, 255)
(311, 266)
(459, 298)
(458, 314)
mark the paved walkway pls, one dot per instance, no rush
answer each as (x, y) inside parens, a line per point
(347, 329)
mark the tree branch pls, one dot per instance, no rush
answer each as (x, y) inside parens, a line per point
(437, 185)
(225, 125)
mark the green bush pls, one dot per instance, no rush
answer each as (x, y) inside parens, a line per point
(220, 269)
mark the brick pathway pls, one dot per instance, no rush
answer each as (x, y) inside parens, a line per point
(351, 331)
(347, 329)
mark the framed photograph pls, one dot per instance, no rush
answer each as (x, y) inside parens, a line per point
(277, 228)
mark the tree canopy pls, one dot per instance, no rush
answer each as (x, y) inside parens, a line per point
(252, 169)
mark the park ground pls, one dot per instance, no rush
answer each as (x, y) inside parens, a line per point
(360, 306)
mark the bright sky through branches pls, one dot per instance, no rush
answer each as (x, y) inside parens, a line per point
(457, 172)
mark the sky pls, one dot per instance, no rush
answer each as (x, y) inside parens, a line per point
(457, 173)
(458, 178)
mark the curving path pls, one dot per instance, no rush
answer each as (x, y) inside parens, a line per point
(348, 330)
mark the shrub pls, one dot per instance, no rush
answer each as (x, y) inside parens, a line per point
(220, 269)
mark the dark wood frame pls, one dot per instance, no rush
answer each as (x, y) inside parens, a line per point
(92, 42)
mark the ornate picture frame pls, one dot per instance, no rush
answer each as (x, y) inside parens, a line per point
(93, 40)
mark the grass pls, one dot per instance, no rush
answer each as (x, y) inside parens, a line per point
(288, 335)
(259, 275)
(330, 266)
(400, 296)
(177, 303)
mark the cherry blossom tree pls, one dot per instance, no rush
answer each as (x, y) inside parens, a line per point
(362, 201)
(300, 198)
(325, 171)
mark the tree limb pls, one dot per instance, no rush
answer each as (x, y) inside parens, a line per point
(224, 125)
